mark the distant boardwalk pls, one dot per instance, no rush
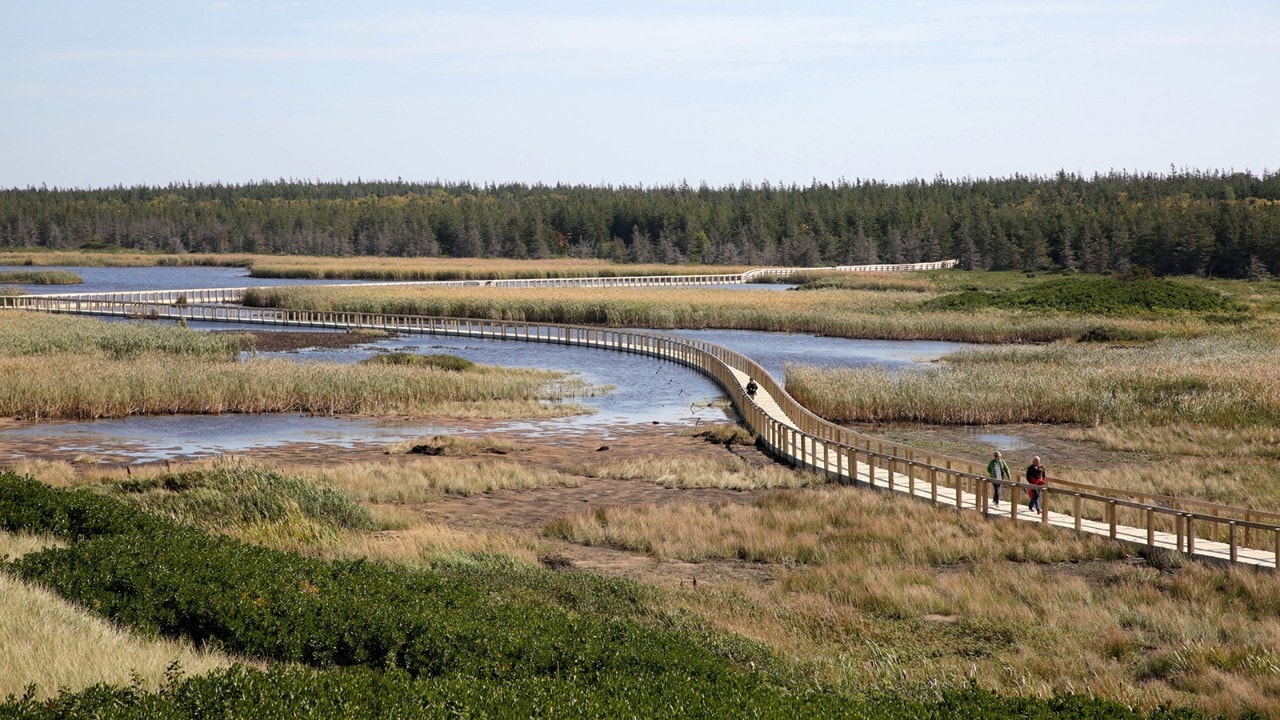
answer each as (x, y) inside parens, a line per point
(1198, 529)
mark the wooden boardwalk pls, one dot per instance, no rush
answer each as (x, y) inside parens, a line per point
(1197, 529)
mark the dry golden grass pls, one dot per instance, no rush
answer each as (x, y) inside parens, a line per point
(875, 589)
(53, 644)
(426, 480)
(43, 257)
(1222, 380)
(421, 544)
(392, 269)
(726, 473)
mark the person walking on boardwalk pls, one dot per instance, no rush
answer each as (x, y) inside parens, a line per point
(752, 387)
(1035, 476)
(998, 471)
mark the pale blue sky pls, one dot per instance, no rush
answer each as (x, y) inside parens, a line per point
(98, 92)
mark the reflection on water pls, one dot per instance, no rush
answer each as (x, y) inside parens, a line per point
(1001, 442)
(108, 279)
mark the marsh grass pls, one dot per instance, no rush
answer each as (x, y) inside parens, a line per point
(428, 479)
(38, 334)
(40, 277)
(423, 544)
(38, 257)
(452, 446)
(236, 497)
(439, 361)
(409, 269)
(730, 473)
(1224, 380)
(89, 386)
(53, 644)
(888, 314)
(875, 590)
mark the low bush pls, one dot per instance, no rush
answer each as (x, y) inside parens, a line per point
(1094, 296)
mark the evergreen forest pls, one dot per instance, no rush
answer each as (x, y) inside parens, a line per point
(1188, 222)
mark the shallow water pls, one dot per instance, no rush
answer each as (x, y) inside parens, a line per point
(99, 279)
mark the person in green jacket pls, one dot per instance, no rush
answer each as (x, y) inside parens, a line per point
(998, 471)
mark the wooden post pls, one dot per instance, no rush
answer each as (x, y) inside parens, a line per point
(1191, 535)
(1151, 528)
(911, 479)
(893, 464)
(1044, 506)
(1111, 518)
(1076, 506)
(933, 484)
(1231, 539)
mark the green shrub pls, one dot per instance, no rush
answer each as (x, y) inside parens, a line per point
(32, 507)
(1093, 296)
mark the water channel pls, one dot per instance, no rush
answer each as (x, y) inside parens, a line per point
(644, 390)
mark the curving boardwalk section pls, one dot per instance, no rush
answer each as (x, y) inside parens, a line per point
(1198, 529)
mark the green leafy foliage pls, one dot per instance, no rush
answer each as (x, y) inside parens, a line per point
(1094, 295)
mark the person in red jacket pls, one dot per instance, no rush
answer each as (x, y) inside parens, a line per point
(1035, 476)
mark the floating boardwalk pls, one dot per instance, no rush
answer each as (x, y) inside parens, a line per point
(1151, 522)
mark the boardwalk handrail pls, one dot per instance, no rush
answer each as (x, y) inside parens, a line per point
(793, 433)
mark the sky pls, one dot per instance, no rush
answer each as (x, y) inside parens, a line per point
(98, 93)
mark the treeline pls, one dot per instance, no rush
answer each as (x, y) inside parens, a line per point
(1188, 222)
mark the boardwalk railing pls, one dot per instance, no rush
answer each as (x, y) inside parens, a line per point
(1196, 528)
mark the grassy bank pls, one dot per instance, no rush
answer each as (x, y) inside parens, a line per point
(40, 277)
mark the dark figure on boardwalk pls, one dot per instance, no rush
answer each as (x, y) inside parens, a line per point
(1035, 476)
(752, 387)
(998, 471)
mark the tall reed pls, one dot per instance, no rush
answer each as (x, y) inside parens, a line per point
(838, 313)
(1222, 380)
(86, 386)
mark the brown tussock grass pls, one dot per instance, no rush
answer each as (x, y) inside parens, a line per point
(877, 589)
(88, 387)
(729, 473)
(53, 644)
(424, 544)
(425, 480)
